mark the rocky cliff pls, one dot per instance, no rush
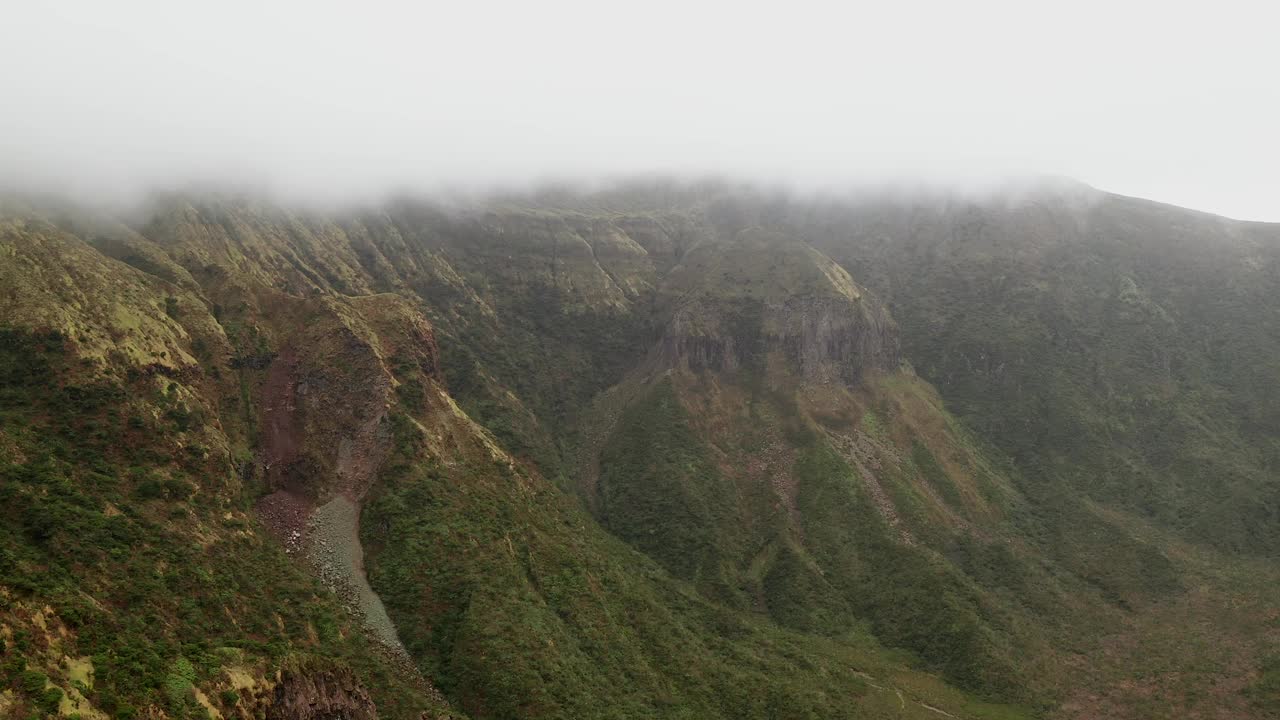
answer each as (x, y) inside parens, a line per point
(735, 304)
(319, 694)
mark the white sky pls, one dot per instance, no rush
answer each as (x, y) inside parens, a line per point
(1179, 103)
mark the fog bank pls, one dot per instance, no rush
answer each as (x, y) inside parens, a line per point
(348, 101)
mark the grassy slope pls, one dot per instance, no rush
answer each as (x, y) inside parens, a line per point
(699, 496)
(519, 606)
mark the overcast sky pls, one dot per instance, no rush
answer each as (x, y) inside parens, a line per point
(344, 99)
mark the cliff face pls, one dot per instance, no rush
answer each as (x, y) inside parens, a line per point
(833, 340)
(738, 303)
(821, 339)
(327, 390)
(320, 695)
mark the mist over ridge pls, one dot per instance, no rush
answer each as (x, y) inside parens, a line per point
(342, 103)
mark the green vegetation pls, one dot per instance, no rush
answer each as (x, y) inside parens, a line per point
(86, 498)
(534, 612)
(526, 374)
(1126, 352)
(660, 493)
(786, 520)
(855, 569)
(1265, 692)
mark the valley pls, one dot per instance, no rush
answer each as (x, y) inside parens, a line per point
(678, 450)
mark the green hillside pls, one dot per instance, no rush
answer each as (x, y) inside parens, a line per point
(657, 451)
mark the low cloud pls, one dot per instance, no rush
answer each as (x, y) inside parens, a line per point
(350, 101)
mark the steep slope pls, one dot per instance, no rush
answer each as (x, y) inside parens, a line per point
(135, 581)
(660, 451)
(270, 382)
(1122, 353)
(1098, 560)
(1110, 323)
(775, 452)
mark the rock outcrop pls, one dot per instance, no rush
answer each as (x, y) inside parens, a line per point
(834, 340)
(737, 304)
(320, 695)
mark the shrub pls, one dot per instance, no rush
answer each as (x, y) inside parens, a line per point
(33, 682)
(178, 683)
(50, 700)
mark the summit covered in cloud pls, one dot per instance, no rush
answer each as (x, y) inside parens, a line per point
(339, 102)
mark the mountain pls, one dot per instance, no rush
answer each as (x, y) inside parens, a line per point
(661, 450)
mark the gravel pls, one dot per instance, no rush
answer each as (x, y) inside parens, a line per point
(334, 547)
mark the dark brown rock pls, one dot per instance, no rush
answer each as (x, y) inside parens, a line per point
(332, 694)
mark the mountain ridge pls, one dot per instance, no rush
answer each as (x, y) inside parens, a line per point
(696, 412)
